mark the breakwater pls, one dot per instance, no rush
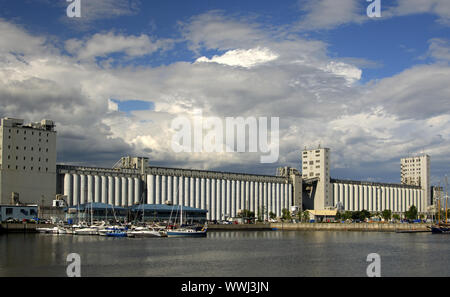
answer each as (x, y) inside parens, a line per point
(369, 227)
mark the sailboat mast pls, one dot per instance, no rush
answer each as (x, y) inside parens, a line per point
(446, 198)
(181, 216)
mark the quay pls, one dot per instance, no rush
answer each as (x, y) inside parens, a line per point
(365, 227)
(22, 228)
(368, 227)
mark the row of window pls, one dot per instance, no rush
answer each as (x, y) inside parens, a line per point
(31, 168)
(25, 132)
(25, 148)
(31, 159)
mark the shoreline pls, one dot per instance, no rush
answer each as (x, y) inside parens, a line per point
(365, 227)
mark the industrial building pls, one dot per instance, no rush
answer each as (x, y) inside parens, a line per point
(324, 192)
(35, 178)
(132, 181)
(27, 161)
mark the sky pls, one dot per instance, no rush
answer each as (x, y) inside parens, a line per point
(373, 90)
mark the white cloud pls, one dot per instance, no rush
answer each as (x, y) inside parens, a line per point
(243, 58)
(349, 72)
(330, 14)
(100, 45)
(327, 14)
(439, 49)
(441, 8)
(308, 90)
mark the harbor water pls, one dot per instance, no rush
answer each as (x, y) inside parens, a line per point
(229, 254)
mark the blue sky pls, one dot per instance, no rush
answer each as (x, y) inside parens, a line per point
(330, 72)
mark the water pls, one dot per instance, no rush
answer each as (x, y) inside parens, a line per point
(228, 254)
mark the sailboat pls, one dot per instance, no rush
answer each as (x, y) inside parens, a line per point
(442, 228)
(91, 230)
(186, 231)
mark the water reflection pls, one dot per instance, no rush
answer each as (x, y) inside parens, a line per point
(261, 253)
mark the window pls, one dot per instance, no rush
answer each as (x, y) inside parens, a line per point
(33, 212)
(9, 211)
(311, 162)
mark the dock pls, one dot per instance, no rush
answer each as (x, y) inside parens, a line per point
(22, 227)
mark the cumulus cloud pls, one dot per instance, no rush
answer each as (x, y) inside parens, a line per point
(101, 45)
(315, 96)
(327, 14)
(243, 58)
(330, 14)
(439, 49)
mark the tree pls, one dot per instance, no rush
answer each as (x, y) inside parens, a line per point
(347, 215)
(396, 216)
(411, 213)
(286, 215)
(304, 216)
(272, 215)
(386, 214)
(247, 215)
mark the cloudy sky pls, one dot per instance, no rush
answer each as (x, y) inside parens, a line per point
(373, 90)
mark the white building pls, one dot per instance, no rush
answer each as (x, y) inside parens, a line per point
(415, 171)
(316, 165)
(28, 161)
(324, 192)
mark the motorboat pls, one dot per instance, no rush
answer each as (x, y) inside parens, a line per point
(187, 232)
(144, 232)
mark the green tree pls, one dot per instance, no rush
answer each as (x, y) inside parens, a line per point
(396, 216)
(247, 215)
(286, 215)
(386, 214)
(272, 215)
(347, 215)
(411, 213)
(305, 216)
